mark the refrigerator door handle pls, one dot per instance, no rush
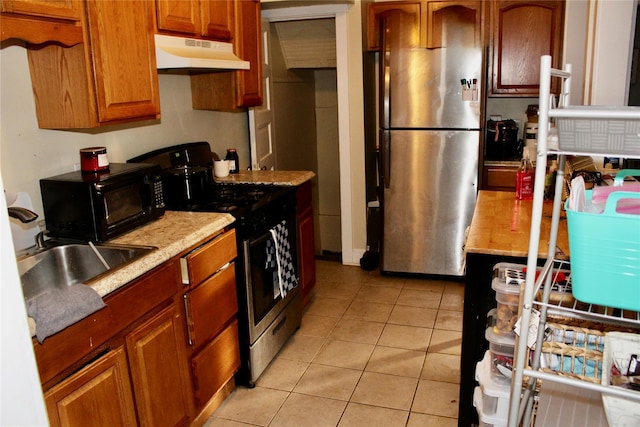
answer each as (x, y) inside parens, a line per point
(385, 158)
(385, 81)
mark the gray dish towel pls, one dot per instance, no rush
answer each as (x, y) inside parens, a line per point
(58, 308)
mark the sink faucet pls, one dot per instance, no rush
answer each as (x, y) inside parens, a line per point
(23, 214)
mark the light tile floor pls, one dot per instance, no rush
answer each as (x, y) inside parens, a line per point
(371, 351)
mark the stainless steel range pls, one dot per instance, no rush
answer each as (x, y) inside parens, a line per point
(266, 318)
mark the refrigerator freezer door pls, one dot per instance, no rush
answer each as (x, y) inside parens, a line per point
(423, 88)
(429, 201)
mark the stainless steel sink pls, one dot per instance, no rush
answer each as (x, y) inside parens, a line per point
(69, 264)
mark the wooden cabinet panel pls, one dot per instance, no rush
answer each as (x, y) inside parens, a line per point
(502, 178)
(216, 364)
(159, 370)
(61, 351)
(98, 395)
(248, 43)
(210, 19)
(40, 21)
(522, 31)
(376, 12)
(178, 16)
(123, 51)
(110, 78)
(205, 260)
(232, 90)
(217, 19)
(306, 242)
(437, 12)
(58, 9)
(211, 305)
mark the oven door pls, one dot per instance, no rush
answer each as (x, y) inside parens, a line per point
(263, 298)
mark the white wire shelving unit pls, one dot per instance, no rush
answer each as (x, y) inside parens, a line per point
(524, 377)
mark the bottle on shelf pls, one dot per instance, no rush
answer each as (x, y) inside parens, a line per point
(550, 181)
(234, 162)
(524, 177)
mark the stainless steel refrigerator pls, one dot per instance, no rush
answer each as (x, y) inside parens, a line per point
(430, 126)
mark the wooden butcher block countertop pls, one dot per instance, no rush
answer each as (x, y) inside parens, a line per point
(501, 224)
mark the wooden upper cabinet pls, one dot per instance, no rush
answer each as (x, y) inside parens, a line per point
(376, 12)
(218, 19)
(58, 9)
(522, 31)
(40, 21)
(234, 90)
(110, 78)
(438, 12)
(210, 19)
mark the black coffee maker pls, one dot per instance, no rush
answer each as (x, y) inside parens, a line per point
(502, 141)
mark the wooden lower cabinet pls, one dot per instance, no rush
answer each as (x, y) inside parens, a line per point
(215, 364)
(499, 177)
(306, 242)
(98, 395)
(149, 375)
(159, 370)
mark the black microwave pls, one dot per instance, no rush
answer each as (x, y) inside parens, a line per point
(99, 206)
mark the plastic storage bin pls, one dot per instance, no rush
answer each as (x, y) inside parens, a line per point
(620, 136)
(491, 398)
(501, 351)
(605, 254)
(507, 279)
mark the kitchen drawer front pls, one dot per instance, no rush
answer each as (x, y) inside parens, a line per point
(216, 364)
(499, 178)
(205, 260)
(211, 305)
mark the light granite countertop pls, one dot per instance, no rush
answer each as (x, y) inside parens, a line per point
(171, 234)
(292, 178)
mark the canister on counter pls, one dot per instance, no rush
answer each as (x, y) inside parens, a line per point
(94, 159)
(234, 162)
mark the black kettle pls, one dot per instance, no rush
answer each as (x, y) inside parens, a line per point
(502, 140)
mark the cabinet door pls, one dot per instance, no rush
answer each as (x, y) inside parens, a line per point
(247, 45)
(59, 9)
(217, 19)
(123, 50)
(522, 31)
(216, 364)
(376, 12)
(306, 242)
(159, 370)
(40, 21)
(178, 16)
(437, 12)
(232, 90)
(99, 395)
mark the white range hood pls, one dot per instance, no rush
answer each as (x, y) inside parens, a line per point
(186, 54)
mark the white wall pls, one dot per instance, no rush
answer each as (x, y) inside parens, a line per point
(28, 153)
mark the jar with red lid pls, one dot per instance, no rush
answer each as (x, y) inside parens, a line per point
(94, 159)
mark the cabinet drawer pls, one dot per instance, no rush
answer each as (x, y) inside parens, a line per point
(499, 178)
(216, 364)
(205, 260)
(211, 305)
